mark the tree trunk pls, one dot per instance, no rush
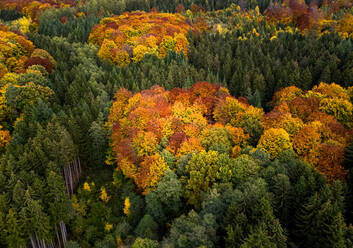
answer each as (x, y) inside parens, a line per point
(72, 174)
(59, 242)
(32, 241)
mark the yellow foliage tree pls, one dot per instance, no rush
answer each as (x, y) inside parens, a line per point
(340, 108)
(203, 169)
(139, 52)
(4, 137)
(104, 196)
(345, 26)
(150, 172)
(127, 205)
(145, 143)
(274, 141)
(285, 95)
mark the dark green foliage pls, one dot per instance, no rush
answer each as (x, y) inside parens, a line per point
(14, 230)
(9, 15)
(256, 70)
(122, 230)
(297, 190)
(108, 242)
(164, 202)
(348, 163)
(250, 218)
(317, 212)
(98, 141)
(74, 28)
(193, 231)
(147, 228)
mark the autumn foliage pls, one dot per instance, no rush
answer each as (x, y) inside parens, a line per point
(32, 9)
(295, 12)
(312, 18)
(154, 127)
(319, 123)
(20, 59)
(14, 51)
(274, 141)
(128, 37)
(17, 54)
(148, 126)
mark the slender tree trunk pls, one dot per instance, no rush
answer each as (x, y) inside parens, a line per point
(32, 241)
(37, 241)
(72, 173)
(60, 241)
(57, 236)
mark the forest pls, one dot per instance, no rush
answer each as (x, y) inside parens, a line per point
(176, 123)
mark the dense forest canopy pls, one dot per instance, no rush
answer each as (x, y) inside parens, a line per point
(163, 123)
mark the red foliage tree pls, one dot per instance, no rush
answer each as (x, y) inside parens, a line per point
(39, 61)
(330, 162)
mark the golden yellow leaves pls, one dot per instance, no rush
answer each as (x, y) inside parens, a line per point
(104, 195)
(127, 205)
(156, 126)
(4, 137)
(317, 122)
(138, 52)
(345, 26)
(274, 141)
(130, 36)
(86, 186)
(155, 122)
(23, 24)
(145, 144)
(108, 227)
(285, 95)
(14, 51)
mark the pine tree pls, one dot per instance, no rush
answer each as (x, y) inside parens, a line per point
(15, 231)
(320, 222)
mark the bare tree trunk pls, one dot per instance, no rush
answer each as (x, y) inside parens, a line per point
(32, 242)
(63, 232)
(75, 172)
(58, 243)
(57, 236)
(72, 173)
(66, 179)
(43, 243)
(37, 241)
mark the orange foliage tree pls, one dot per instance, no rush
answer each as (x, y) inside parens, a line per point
(319, 122)
(130, 36)
(155, 126)
(33, 8)
(147, 125)
(281, 117)
(14, 51)
(295, 12)
(311, 17)
(285, 95)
